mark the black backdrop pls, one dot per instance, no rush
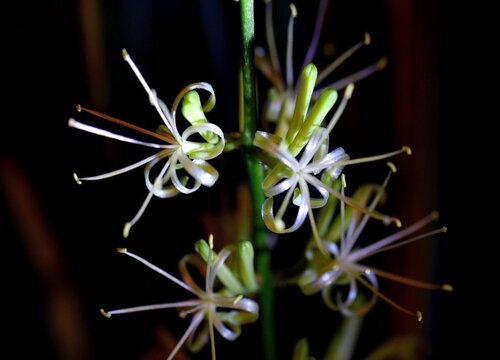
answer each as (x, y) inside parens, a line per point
(59, 239)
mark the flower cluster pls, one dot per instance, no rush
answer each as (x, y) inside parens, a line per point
(302, 179)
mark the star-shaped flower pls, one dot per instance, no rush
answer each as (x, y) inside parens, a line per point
(308, 137)
(338, 274)
(281, 97)
(177, 149)
(221, 309)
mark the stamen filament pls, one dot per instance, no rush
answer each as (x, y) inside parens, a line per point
(116, 172)
(357, 232)
(94, 130)
(135, 309)
(340, 60)
(353, 78)
(159, 180)
(195, 322)
(318, 24)
(271, 43)
(319, 243)
(405, 280)
(160, 271)
(371, 213)
(340, 110)
(289, 48)
(167, 138)
(388, 300)
(406, 242)
(370, 249)
(211, 333)
(165, 115)
(342, 213)
(284, 204)
(404, 149)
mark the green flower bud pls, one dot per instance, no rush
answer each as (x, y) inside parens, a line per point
(225, 274)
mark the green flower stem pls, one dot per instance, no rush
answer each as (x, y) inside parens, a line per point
(256, 177)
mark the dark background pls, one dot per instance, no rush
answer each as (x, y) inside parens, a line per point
(60, 266)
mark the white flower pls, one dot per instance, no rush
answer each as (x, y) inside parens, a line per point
(341, 268)
(206, 305)
(177, 149)
(316, 168)
(280, 103)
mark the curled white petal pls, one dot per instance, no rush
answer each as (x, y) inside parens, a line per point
(265, 142)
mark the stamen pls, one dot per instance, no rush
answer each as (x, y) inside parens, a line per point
(158, 270)
(359, 229)
(404, 149)
(210, 266)
(392, 167)
(271, 42)
(166, 137)
(128, 225)
(340, 110)
(428, 234)
(237, 299)
(178, 304)
(105, 313)
(355, 77)
(153, 99)
(391, 302)
(284, 204)
(289, 48)
(119, 171)
(126, 229)
(316, 236)
(211, 333)
(340, 60)
(447, 287)
(184, 313)
(94, 130)
(160, 179)
(195, 322)
(386, 219)
(318, 24)
(407, 281)
(77, 179)
(342, 213)
(389, 240)
(368, 39)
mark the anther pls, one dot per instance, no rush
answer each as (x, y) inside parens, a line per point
(447, 287)
(126, 229)
(77, 179)
(125, 55)
(392, 167)
(105, 313)
(419, 316)
(407, 150)
(367, 39)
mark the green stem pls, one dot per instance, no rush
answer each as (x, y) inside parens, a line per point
(256, 177)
